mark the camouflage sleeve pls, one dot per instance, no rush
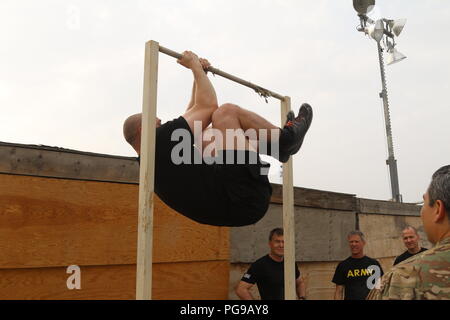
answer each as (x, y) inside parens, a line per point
(426, 277)
(374, 294)
(398, 284)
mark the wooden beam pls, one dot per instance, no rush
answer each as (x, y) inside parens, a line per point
(147, 173)
(42, 161)
(388, 207)
(316, 198)
(288, 218)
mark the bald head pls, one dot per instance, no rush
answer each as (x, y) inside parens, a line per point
(132, 130)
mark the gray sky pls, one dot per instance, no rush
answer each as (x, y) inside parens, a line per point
(71, 72)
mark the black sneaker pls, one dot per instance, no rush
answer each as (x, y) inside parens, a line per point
(294, 131)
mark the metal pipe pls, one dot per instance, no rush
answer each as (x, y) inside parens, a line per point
(260, 90)
(391, 162)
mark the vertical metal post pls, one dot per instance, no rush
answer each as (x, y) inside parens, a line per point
(147, 172)
(391, 162)
(288, 218)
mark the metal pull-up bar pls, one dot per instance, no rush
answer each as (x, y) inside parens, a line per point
(260, 90)
(147, 170)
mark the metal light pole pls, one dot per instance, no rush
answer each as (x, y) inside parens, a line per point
(391, 161)
(378, 30)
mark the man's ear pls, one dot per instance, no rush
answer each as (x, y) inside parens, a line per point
(440, 212)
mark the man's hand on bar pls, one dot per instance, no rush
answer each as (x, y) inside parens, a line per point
(205, 64)
(190, 60)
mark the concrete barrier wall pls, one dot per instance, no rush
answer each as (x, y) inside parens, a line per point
(322, 222)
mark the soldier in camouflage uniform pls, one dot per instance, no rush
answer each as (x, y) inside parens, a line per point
(426, 275)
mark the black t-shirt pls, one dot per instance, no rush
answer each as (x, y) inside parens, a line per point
(406, 255)
(268, 275)
(208, 192)
(353, 274)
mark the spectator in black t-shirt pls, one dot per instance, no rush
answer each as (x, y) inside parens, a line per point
(411, 240)
(355, 276)
(268, 273)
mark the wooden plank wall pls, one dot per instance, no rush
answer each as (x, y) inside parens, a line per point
(61, 207)
(48, 224)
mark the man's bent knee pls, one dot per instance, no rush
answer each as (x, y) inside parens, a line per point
(229, 108)
(224, 113)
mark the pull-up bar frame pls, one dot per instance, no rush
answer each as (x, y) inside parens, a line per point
(260, 90)
(147, 171)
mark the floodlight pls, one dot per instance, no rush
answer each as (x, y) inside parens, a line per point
(363, 6)
(394, 56)
(397, 26)
(376, 30)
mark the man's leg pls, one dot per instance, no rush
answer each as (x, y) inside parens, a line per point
(239, 120)
(242, 174)
(231, 130)
(261, 132)
(230, 116)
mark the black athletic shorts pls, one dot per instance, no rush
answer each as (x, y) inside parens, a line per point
(214, 194)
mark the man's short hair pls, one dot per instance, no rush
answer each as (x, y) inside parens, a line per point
(276, 231)
(439, 188)
(356, 233)
(412, 228)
